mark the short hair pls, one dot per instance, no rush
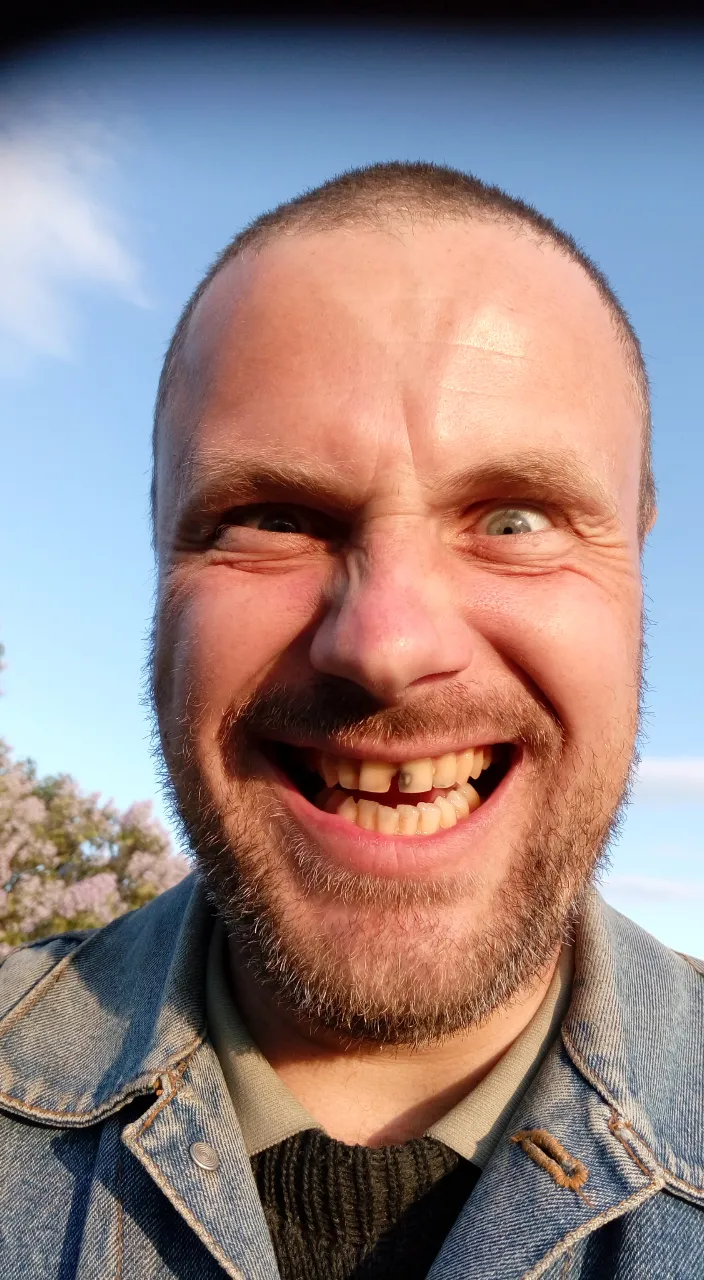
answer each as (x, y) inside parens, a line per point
(380, 195)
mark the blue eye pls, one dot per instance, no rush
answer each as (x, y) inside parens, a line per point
(511, 520)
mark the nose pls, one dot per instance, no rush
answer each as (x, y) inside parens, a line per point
(394, 618)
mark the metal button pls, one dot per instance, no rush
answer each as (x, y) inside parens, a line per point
(205, 1156)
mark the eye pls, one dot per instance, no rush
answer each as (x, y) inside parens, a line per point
(275, 518)
(509, 520)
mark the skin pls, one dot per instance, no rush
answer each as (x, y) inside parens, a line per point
(400, 386)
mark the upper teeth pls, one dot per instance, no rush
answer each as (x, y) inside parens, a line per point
(414, 776)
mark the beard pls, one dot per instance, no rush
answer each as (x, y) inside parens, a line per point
(386, 960)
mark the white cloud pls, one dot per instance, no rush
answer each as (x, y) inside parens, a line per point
(57, 231)
(619, 889)
(670, 781)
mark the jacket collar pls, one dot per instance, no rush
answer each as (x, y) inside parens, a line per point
(635, 1031)
(89, 1021)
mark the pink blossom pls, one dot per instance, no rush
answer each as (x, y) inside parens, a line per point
(69, 861)
(96, 896)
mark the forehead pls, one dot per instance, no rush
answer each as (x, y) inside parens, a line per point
(371, 354)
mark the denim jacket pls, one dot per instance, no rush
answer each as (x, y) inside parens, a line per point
(107, 1079)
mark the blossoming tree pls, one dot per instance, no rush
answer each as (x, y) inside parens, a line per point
(67, 861)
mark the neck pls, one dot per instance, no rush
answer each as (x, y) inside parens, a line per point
(374, 1094)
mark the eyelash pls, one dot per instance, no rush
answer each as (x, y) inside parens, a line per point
(325, 529)
(320, 527)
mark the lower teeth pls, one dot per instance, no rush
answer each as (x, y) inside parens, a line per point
(406, 819)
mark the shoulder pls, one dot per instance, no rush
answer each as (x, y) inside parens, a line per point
(629, 976)
(645, 968)
(27, 964)
(137, 931)
(85, 1017)
(635, 1028)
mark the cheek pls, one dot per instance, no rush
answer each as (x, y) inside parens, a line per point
(578, 642)
(230, 629)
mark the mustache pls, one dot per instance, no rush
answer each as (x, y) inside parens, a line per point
(343, 712)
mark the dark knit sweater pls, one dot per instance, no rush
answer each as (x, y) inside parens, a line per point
(339, 1212)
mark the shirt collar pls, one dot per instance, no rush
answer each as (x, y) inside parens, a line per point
(266, 1109)
(268, 1112)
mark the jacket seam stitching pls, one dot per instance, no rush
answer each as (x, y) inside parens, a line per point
(111, 1104)
(654, 1186)
(668, 1176)
(187, 1213)
(95, 1113)
(163, 1102)
(175, 1078)
(599, 1085)
(616, 1123)
(36, 993)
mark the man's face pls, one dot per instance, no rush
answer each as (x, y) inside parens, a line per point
(398, 634)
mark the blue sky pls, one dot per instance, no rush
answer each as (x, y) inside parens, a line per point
(127, 162)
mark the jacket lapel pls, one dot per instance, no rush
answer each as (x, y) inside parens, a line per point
(220, 1204)
(528, 1207)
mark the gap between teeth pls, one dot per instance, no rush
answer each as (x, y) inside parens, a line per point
(421, 819)
(414, 776)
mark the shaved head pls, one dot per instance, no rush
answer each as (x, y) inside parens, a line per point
(383, 197)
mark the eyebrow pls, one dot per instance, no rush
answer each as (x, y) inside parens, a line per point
(210, 481)
(207, 482)
(558, 474)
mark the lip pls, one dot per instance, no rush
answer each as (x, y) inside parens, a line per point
(352, 849)
(388, 753)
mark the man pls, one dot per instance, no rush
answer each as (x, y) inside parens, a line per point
(401, 485)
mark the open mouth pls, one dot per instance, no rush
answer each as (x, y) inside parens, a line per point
(407, 797)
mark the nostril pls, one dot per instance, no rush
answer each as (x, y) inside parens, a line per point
(390, 646)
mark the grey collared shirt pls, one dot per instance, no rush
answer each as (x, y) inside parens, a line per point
(268, 1112)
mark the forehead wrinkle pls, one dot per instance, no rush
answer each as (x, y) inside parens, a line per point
(466, 345)
(450, 343)
(474, 392)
